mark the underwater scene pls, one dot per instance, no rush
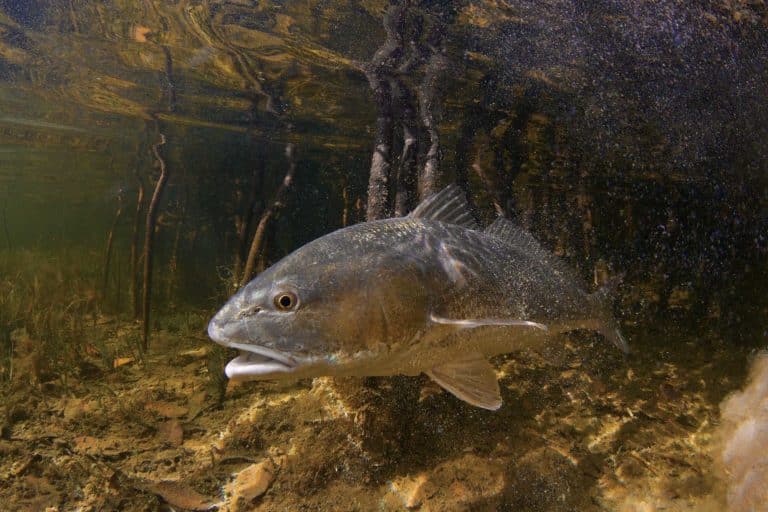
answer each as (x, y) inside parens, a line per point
(384, 255)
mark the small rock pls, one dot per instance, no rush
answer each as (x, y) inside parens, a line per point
(179, 495)
(411, 491)
(628, 470)
(122, 361)
(250, 483)
(194, 354)
(17, 413)
(196, 403)
(94, 446)
(74, 408)
(172, 432)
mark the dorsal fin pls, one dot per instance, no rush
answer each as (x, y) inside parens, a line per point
(516, 236)
(513, 234)
(448, 206)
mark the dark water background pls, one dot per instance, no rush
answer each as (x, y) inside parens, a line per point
(630, 138)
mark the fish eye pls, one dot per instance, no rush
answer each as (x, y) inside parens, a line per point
(286, 301)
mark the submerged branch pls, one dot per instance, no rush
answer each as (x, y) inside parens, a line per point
(110, 241)
(261, 228)
(149, 238)
(490, 188)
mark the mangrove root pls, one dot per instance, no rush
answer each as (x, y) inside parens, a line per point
(149, 239)
(261, 228)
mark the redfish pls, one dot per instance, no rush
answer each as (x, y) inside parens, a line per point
(430, 292)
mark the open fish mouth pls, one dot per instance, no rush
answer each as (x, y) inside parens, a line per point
(249, 365)
(255, 361)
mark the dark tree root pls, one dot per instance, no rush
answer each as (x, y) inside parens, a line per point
(135, 303)
(261, 229)
(394, 189)
(379, 181)
(173, 262)
(407, 170)
(378, 71)
(345, 211)
(110, 241)
(431, 178)
(244, 222)
(170, 86)
(149, 239)
(5, 225)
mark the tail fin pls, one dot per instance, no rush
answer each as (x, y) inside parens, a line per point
(602, 299)
(613, 334)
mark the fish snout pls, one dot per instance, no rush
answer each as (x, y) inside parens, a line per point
(226, 326)
(234, 323)
(216, 329)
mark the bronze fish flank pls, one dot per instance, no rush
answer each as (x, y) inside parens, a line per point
(429, 293)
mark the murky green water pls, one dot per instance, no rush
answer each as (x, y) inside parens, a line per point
(628, 138)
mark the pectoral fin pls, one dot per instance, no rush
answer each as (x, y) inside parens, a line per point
(471, 379)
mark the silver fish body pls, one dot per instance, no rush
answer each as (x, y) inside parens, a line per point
(429, 293)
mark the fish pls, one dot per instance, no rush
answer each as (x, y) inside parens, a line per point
(429, 293)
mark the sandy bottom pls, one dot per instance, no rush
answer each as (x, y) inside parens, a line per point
(581, 429)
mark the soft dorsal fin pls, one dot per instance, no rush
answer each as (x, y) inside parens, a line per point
(471, 379)
(448, 206)
(510, 232)
(516, 236)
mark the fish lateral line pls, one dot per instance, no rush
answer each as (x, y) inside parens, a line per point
(483, 322)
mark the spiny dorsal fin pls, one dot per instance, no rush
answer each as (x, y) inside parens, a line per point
(516, 236)
(471, 379)
(448, 206)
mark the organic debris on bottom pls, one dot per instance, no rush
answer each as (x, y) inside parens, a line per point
(584, 433)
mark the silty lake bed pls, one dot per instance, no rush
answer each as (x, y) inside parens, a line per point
(628, 139)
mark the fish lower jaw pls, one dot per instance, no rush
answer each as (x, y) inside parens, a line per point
(250, 366)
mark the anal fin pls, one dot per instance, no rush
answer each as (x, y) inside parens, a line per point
(471, 379)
